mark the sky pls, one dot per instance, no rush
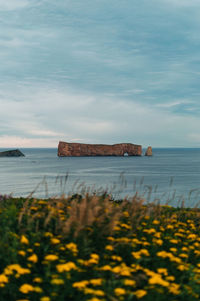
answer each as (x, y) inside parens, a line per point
(99, 71)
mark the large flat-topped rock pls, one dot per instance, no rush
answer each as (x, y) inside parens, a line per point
(12, 153)
(66, 149)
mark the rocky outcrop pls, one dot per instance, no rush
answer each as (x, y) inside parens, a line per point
(12, 153)
(66, 149)
(149, 151)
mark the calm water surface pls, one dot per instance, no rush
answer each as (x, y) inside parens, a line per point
(170, 175)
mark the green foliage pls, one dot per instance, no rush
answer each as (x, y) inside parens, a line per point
(94, 248)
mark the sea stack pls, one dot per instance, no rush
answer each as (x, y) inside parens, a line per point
(12, 153)
(149, 151)
(66, 149)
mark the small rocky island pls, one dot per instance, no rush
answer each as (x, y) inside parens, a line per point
(149, 151)
(12, 153)
(66, 149)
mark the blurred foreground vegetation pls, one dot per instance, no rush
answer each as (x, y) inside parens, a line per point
(94, 248)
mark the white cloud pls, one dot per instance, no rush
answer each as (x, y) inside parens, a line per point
(194, 137)
(172, 104)
(13, 4)
(19, 142)
(40, 116)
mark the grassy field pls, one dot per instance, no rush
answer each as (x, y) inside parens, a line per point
(93, 248)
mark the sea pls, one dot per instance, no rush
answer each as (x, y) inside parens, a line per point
(171, 176)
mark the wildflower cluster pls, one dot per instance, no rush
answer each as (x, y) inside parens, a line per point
(91, 248)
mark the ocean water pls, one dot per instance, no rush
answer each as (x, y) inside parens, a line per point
(170, 175)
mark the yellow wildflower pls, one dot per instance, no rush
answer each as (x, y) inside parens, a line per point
(126, 214)
(109, 248)
(33, 258)
(94, 259)
(175, 259)
(24, 240)
(146, 243)
(129, 282)
(116, 228)
(3, 278)
(106, 268)
(94, 256)
(158, 242)
(73, 247)
(122, 269)
(163, 254)
(174, 250)
(136, 241)
(55, 241)
(140, 293)
(157, 279)
(170, 227)
(117, 258)
(26, 288)
(182, 267)
(38, 289)
(174, 288)
(51, 257)
(17, 268)
(162, 271)
(89, 291)
(99, 293)
(174, 241)
(192, 236)
(34, 208)
(144, 252)
(37, 280)
(57, 281)
(42, 202)
(136, 255)
(157, 235)
(110, 238)
(183, 255)
(97, 281)
(81, 284)
(150, 231)
(155, 222)
(22, 253)
(125, 226)
(48, 234)
(66, 267)
(119, 291)
(45, 298)
(170, 278)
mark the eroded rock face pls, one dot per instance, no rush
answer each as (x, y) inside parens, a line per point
(12, 153)
(66, 149)
(149, 151)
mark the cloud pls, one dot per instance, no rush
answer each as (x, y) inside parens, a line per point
(20, 142)
(116, 71)
(40, 116)
(13, 4)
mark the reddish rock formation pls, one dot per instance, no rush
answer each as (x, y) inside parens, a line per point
(66, 149)
(149, 151)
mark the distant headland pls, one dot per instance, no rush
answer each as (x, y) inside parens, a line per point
(12, 153)
(66, 149)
